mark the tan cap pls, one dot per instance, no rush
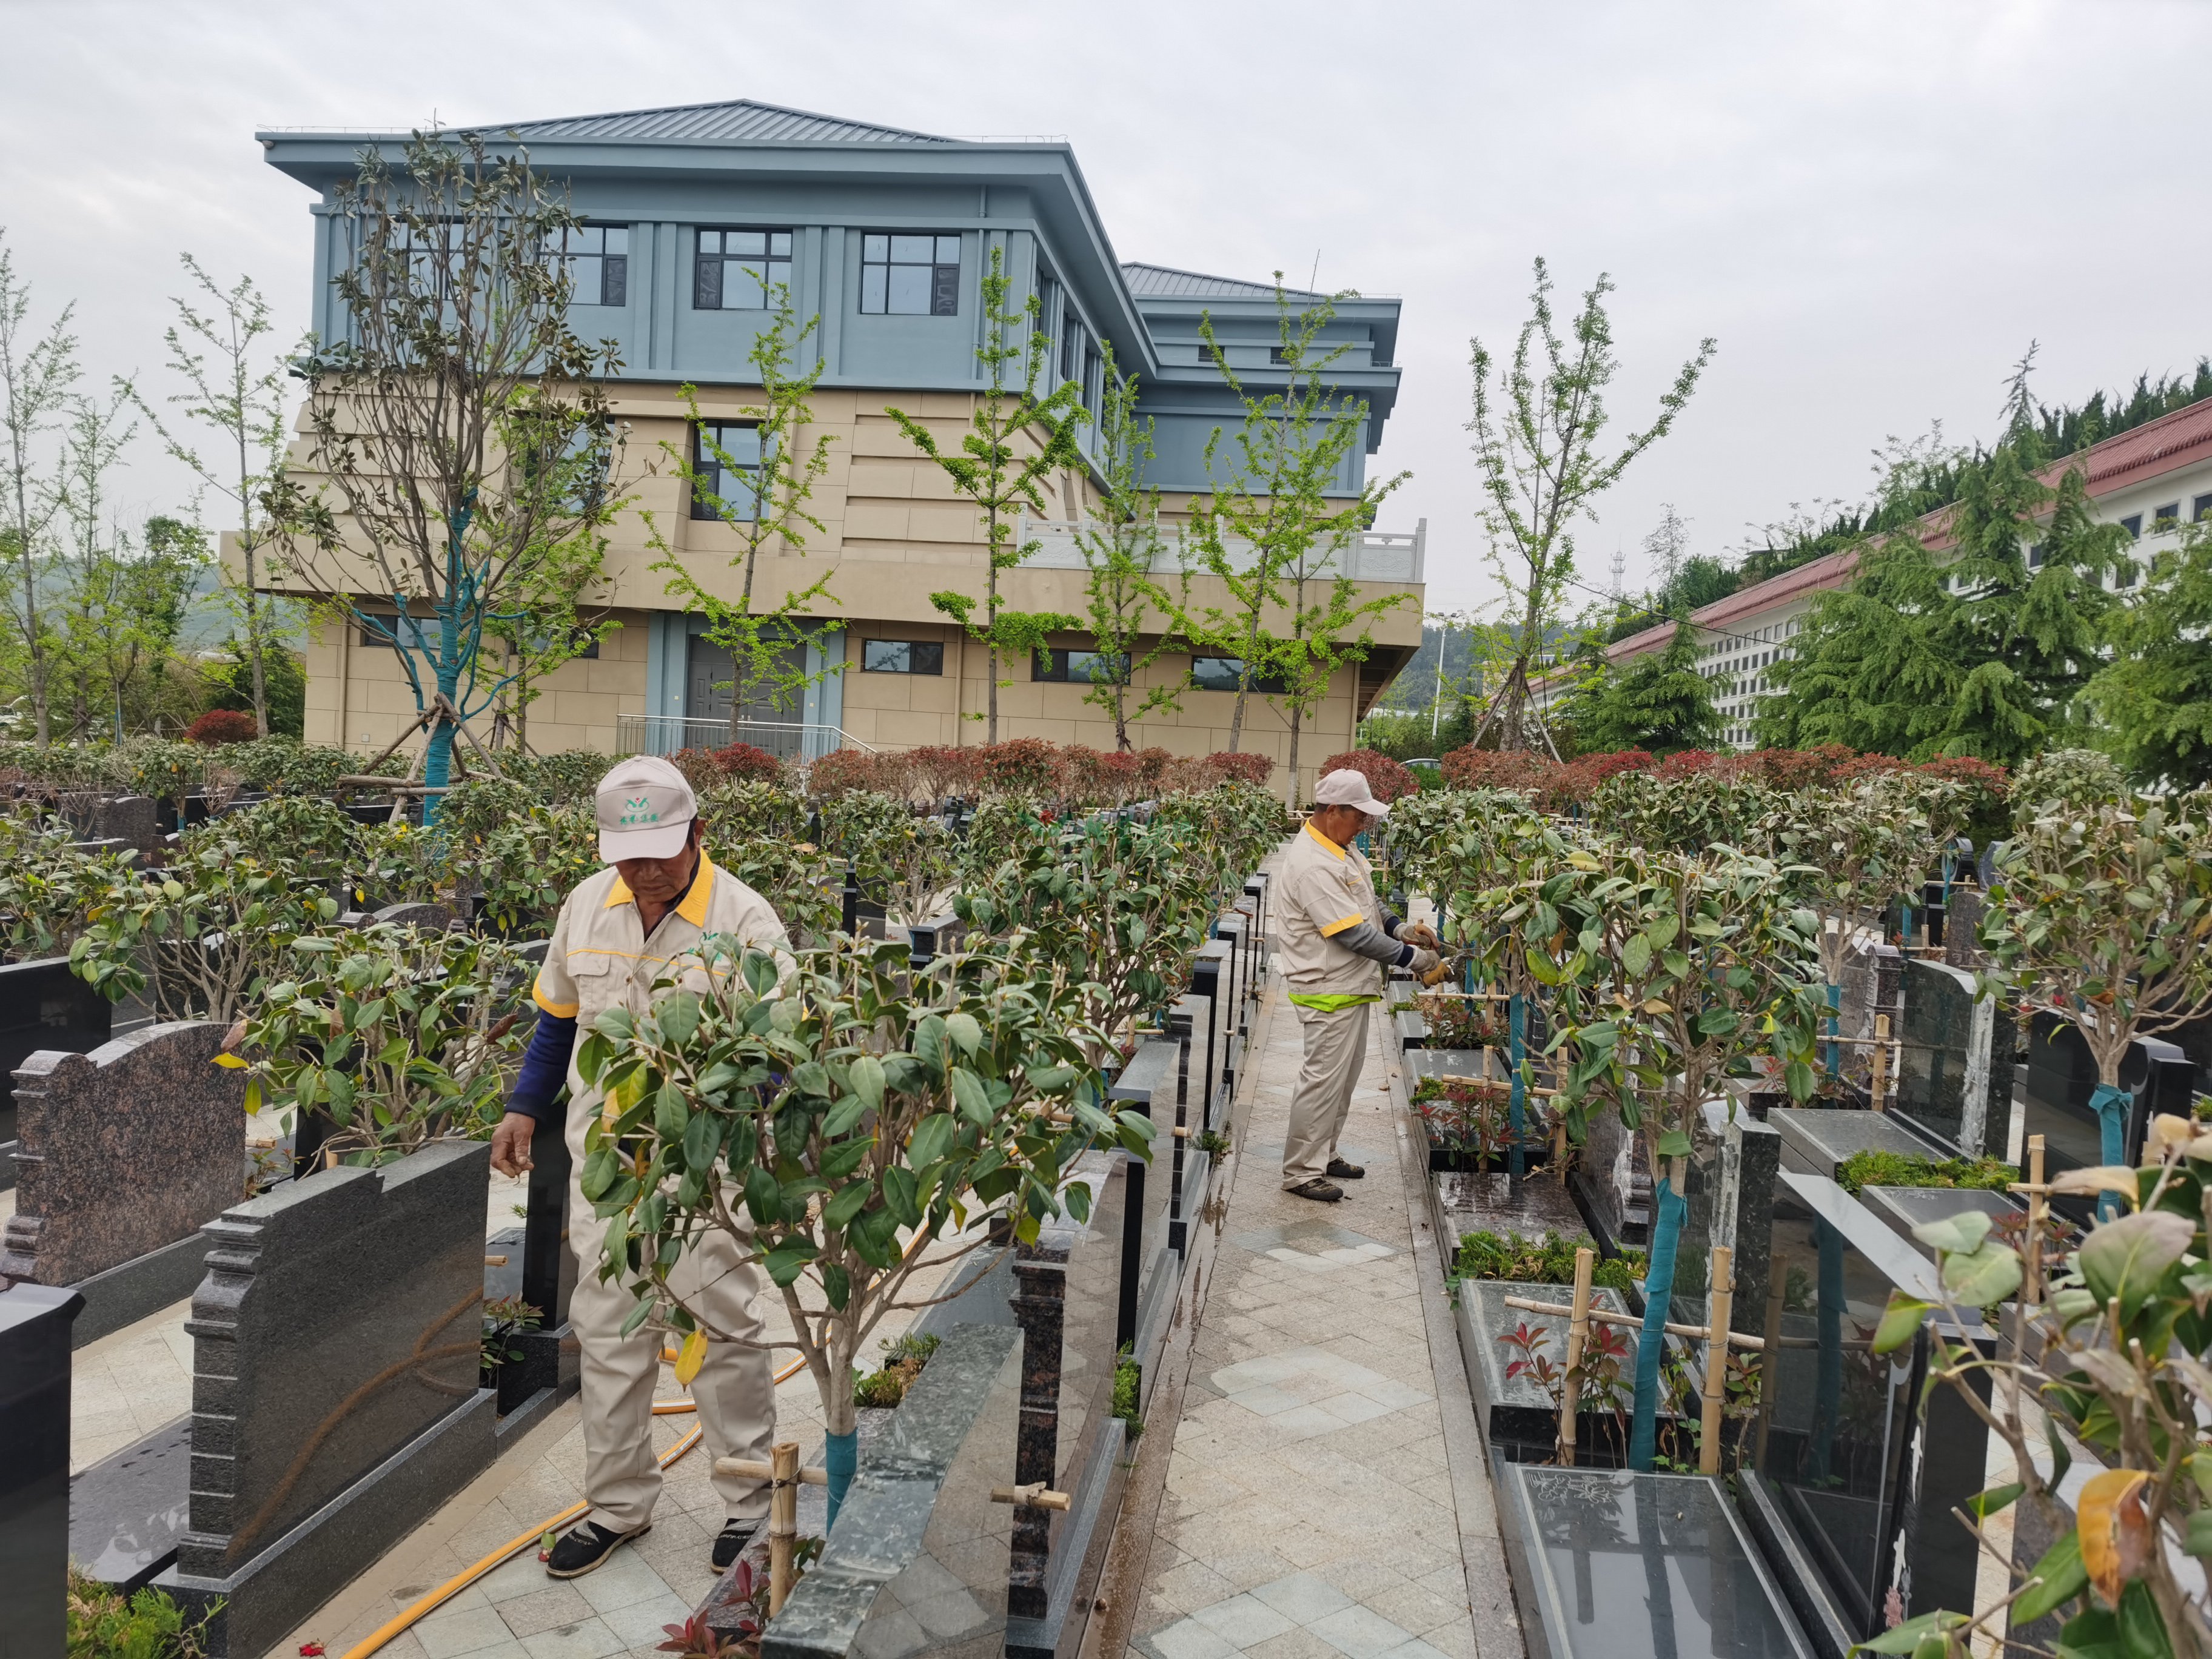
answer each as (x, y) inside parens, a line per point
(1345, 788)
(645, 810)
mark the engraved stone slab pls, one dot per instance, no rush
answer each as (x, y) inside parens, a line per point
(132, 1147)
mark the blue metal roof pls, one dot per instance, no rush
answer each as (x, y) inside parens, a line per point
(1161, 281)
(741, 120)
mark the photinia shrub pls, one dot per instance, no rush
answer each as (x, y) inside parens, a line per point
(220, 726)
(1387, 778)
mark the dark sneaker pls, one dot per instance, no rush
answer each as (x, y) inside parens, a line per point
(730, 1543)
(1321, 1192)
(1344, 1171)
(585, 1547)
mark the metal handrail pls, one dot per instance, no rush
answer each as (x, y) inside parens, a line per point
(805, 742)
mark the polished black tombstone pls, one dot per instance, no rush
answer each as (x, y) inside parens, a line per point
(1852, 1483)
(42, 1006)
(34, 1459)
(548, 1371)
(1608, 1564)
(1518, 1415)
(1954, 1073)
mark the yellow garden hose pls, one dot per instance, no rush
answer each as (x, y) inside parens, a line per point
(516, 1546)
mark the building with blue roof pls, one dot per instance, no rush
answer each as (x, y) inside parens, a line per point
(883, 234)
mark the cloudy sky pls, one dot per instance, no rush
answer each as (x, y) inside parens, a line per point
(1873, 207)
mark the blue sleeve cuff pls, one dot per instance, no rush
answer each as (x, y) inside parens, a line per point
(544, 1068)
(1405, 955)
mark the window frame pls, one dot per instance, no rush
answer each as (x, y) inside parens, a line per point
(612, 269)
(2133, 525)
(1271, 685)
(702, 462)
(943, 291)
(721, 260)
(1060, 670)
(912, 647)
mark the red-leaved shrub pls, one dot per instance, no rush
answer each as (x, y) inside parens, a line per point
(1027, 766)
(844, 770)
(938, 771)
(1494, 769)
(1243, 767)
(221, 726)
(1386, 778)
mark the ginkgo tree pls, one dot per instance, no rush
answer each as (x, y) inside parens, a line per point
(835, 1115)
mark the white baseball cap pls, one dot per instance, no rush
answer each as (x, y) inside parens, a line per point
(1344, 787)
(645, 810)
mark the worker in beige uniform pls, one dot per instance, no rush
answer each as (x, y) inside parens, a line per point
(618, 932)
(1336, 940)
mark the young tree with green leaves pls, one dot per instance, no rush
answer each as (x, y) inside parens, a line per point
(1966, 650)
(458, 438)
(239, 393)
(756, 475)
(1275, 530)
(1537, 452)
(2154, 696)
(1121, 553)
(1016, 437)
(38, 385)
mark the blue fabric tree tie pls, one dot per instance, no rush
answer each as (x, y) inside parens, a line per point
(841, 1455)
(1668, 1211)
(1835, 1008)
(2109, 1103)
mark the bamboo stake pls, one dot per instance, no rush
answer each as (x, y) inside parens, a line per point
(2037, 1209)
(1880, 1080)
(1577, 1337)
(1606, 1316)
(782, 1522)
(1718, 1306)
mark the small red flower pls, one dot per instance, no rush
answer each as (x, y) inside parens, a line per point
(311, 1651)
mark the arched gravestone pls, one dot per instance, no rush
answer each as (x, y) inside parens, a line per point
(125, 1154)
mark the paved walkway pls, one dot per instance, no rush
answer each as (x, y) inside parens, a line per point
(1323, 1500)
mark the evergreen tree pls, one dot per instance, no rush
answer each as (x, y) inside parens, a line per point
(2155, 696)
(1659, 702)
(1969, 650)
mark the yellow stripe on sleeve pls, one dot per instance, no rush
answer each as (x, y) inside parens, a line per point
(1336, 927)
(558, 1010)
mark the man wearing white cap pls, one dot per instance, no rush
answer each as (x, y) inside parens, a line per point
(617, 934)
(1336, 939)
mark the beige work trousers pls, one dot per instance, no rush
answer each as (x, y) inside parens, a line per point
(1336, 1046)
(734, 1389)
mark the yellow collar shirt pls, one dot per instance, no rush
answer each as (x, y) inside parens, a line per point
(600, 956)
(1325, 890)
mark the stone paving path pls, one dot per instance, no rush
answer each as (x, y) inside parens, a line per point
(1314, 1506)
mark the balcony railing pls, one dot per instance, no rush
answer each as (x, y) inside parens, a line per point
(664, 734)
(1374, 555)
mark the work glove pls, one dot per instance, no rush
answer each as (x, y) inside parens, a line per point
(1425, 962)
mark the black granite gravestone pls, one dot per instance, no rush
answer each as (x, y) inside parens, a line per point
(42, 1006)
(1852, 1484)
(334, 1409)
(2061, 1075)
(1520, 1414)
(1608, 1564)
(35, 1460)
(125, 1154)
(1954, 1073)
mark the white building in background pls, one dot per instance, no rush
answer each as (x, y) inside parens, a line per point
(2153, 479)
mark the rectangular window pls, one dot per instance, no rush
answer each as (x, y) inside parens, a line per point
(2163, 519)
(1220, 674)
(2129, 573)
(375, 629)
(901, 657)
(1076, 668)
(2035, 556)
(2133, 525)
(727, 459)
(1068, 327)
(598, 258)
(2200, 508)
(910, 275)
(740, 269)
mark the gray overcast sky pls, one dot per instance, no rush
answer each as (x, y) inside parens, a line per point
(1873, 206)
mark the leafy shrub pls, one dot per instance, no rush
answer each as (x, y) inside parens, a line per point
(938, 771)
(1573, 784)
(1879, 1169)
(740, 762)
(559, 779)
(287, 766)
(2068, 778)
(1241, 767)
(1491, 769)
(221, 725)
(739, 809)
(1385, 777)
(1548, 1261)
(1022, 766)
(149, 1624)
(1129, 1393)
(846, 771)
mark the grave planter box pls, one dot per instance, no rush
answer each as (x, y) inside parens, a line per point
(1903, 1208)
(1497, 1203)
(1608, 1564)
(1517, 1415)
(1410, 1028)
(1818, 1142)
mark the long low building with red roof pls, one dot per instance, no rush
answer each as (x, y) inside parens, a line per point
(2152, 479)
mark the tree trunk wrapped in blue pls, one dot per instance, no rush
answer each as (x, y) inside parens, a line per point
(1668, 1211)
(2109, 1103)
(841, 1455)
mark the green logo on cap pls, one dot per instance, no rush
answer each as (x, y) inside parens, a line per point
(638, 809)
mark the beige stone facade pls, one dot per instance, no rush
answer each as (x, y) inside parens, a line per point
(894, 533)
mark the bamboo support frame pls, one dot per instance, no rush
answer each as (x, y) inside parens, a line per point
(1606, 1316)
(1577, 1338)
(785, 1476)
(1035, 1495)
(1719, 1308)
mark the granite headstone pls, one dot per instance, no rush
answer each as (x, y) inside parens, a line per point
(333, 1409)
(43, 1005)
(1948, 1077)
(35, 1460)
(126, 1153)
